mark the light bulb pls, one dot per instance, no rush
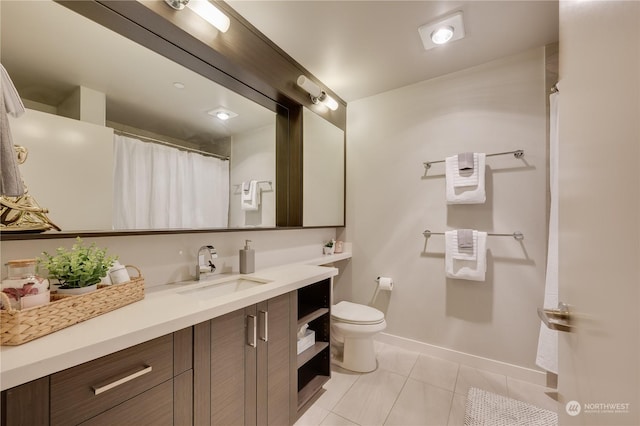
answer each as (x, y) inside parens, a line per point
(223, 115)
(442, 35)
(331, 103)
(210, 13)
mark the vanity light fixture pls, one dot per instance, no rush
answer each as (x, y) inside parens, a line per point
(317, 94)
(444, 30)
(206, 10)
(222, 113)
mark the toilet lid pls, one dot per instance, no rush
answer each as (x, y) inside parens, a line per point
(356, 313)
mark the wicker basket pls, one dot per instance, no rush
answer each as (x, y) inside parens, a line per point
(21, 326)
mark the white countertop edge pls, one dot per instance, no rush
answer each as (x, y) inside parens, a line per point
(161, 312)
(327, 259)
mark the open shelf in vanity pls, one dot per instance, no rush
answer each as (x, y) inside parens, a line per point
(314, 363)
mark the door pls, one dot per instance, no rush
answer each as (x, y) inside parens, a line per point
(599, 213)
(273, 371)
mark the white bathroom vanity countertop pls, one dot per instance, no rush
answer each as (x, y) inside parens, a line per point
(162, 311)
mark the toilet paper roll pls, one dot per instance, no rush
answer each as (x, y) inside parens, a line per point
(385, 284)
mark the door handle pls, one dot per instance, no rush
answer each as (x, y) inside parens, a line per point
(265, 326)
(252, 331)
(557, 319)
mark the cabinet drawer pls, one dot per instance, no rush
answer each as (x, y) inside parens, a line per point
(84, 391)
(151, 408)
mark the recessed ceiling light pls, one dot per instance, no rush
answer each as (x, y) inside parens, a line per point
(442, 35)
(441, 31)
(222, 113)
(178, 85)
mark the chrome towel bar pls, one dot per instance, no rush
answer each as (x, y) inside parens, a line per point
(516, 235)
(517, 153)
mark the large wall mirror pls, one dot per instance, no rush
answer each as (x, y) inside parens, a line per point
(121, 138)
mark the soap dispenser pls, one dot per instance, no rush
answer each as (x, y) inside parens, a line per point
(247, 259)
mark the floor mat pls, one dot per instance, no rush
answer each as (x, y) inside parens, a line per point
(488, 409)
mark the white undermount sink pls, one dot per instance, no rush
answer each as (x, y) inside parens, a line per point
(223, 286)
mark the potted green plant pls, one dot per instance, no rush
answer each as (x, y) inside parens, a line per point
(328, 247)
(79, 269)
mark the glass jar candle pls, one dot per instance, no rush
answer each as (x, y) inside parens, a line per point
(23, 286)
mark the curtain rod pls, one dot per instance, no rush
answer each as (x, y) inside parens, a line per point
(172, 145)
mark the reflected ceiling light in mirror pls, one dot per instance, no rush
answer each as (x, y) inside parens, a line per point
(222, 113)
(317, 94)
(441, 31)
(206, 10)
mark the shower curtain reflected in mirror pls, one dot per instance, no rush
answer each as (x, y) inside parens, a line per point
(159, 187)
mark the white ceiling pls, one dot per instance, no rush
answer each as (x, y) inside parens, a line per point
(361, 48)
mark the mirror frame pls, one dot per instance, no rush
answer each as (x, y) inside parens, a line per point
(244, 61)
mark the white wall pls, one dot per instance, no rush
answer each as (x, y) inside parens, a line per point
(253, 157)
(169, 258)
(69, 169)
(495, 107)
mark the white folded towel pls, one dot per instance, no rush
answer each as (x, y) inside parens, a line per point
(249, 195)
(462, 264)
(465, 188)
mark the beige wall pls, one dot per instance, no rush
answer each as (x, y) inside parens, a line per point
(170, 258)
(495, 107)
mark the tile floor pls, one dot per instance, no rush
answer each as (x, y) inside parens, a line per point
(409, 388)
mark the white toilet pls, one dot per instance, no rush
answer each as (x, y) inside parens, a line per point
(352, 329)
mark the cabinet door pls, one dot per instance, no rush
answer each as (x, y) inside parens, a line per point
(227, 364)
(273, 363)
(27, 404)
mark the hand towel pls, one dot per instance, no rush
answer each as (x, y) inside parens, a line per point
(462, 189)
(249, 197)
(466, 161)
(463, 265)
(12, 102)
(11, 184)
(465, 239)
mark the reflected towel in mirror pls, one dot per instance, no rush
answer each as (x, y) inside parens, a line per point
(250, 197)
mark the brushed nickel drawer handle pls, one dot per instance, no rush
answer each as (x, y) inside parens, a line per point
(265, 326)
(252, 331)
(97, 390)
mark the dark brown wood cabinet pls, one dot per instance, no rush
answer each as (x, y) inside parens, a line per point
(237, 369)
(242, 366)
(149, 383)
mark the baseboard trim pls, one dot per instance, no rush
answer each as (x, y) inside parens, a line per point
(521, 373)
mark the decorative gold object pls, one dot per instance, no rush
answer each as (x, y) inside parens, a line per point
(23, 214)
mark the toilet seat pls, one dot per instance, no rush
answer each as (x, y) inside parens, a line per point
(354, 313)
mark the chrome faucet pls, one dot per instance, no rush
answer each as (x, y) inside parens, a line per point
(204, 268)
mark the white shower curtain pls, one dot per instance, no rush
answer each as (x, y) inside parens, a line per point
(159, 187)
(547, 356)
